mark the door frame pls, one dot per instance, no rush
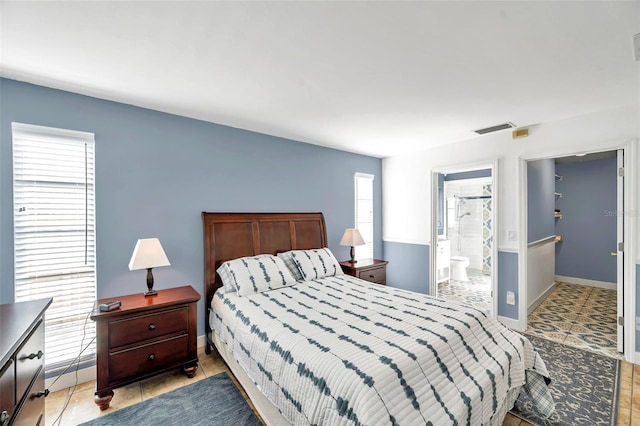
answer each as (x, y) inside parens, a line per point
(495, 181)
(629, 224)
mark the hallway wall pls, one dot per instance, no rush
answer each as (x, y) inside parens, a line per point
(588, 224)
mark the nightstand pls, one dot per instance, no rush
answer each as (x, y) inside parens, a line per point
(144, 337)
(373, 270)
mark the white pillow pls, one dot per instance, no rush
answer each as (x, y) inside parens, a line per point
(254, 274)
(287, 257)
(316, 263)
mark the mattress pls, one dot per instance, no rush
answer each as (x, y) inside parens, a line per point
(340, 350)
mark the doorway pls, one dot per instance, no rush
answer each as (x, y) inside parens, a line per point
(464, 217)
(574, 264)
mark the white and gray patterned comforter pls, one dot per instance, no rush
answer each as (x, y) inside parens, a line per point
(340, 350)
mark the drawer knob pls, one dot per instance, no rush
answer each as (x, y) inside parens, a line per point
(44, 393)
(371, 276)
(38, 355)
(152, 327)
(4, 417)
(152, 357)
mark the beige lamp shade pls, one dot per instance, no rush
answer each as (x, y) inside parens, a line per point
(148, 254)
(352, 237)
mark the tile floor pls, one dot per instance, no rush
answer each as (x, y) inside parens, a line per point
(579, 316)
(475, 292)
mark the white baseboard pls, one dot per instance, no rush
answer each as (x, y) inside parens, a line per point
(87, 374)
(540, 298)
(590, 283)
(511, 323)
(70, 379)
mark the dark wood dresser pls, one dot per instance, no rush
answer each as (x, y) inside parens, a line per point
(22, 388)
(374, 270)
(144, 337)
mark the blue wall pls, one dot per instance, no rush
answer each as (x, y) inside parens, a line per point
(507, 281)
(156, 173)
(588, 224)
(408, 266)
(541, 200)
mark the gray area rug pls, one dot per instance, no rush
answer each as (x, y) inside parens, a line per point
(584, 386)
(211, 401)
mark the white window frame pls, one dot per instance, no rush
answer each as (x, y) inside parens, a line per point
(364, 214)
(54, 235)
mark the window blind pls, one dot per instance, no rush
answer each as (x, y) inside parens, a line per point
(54, 234)
(364, 214)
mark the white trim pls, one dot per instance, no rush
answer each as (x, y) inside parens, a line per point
(522, 243)
(586, 282)
(540, 298)
(541, 240)
(32, 129)
(364, 175)
(513, 250)
(405, 241)
(629, 303)
(493, 166)
(495, 210)
(68, 380)
(630, 189)
(510, 323)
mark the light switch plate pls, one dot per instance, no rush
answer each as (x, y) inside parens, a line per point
(511, 298)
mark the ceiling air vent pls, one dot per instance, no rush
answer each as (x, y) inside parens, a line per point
(494, 128)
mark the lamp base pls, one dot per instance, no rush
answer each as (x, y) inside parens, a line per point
(352, 252)
(150, 290)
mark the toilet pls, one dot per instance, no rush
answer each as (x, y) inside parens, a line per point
(459, 268)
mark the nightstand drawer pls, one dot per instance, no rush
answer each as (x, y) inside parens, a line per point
(375, 275)
(148, 358)
(140, 328)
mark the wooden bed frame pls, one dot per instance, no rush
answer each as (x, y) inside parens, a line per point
(232, 235)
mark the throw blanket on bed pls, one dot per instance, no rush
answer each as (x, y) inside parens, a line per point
(340, 350)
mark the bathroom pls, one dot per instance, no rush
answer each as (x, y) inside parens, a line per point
(465, 237)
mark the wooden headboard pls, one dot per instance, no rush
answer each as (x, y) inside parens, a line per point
(231, 235)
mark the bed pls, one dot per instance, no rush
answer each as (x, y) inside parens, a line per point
(311, 345)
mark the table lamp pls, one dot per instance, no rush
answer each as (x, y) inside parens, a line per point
(148, 254)
(352, 238)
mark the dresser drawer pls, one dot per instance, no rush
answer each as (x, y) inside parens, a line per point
(148, 358)
(32, 411)
(375, 275)
(7, 388)
(140, 328)
(29, 359)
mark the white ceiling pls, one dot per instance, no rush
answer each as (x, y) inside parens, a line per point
(379, 78)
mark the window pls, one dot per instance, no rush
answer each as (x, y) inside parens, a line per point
(364, 214)
(54, 234)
